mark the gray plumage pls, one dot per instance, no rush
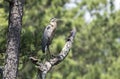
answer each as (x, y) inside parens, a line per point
(48, 35)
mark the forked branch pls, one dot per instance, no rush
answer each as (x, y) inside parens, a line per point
(43, 68)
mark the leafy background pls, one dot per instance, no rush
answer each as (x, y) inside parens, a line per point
(96, 49)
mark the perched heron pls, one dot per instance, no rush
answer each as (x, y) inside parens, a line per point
(48, 35)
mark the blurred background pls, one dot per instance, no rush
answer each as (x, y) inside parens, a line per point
(96, 49)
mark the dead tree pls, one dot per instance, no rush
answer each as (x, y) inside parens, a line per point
(13, 39)
(44, 68)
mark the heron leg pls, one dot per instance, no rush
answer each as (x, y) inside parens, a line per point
(49, 50)
(51, 56)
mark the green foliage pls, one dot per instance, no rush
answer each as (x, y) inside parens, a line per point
(95, 53)
(3, 27)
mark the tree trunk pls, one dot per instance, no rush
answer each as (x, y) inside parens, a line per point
(13, 39)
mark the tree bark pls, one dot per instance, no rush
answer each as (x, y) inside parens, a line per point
(13, 39)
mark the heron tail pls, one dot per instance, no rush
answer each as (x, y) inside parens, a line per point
(44, 48)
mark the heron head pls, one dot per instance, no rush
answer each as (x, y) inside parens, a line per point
(53, 21)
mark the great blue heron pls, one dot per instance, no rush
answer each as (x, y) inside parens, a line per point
(48, 35)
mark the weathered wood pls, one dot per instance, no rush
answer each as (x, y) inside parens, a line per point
(44, 68)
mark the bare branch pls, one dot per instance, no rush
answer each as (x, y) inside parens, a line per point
(43, 68)
(65, 49)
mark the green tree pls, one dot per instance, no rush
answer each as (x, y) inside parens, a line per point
(95, 53)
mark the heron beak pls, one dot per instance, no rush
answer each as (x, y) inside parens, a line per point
(60, 20)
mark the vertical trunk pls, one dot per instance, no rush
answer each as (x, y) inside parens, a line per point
(41, 75)
(13, 40)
